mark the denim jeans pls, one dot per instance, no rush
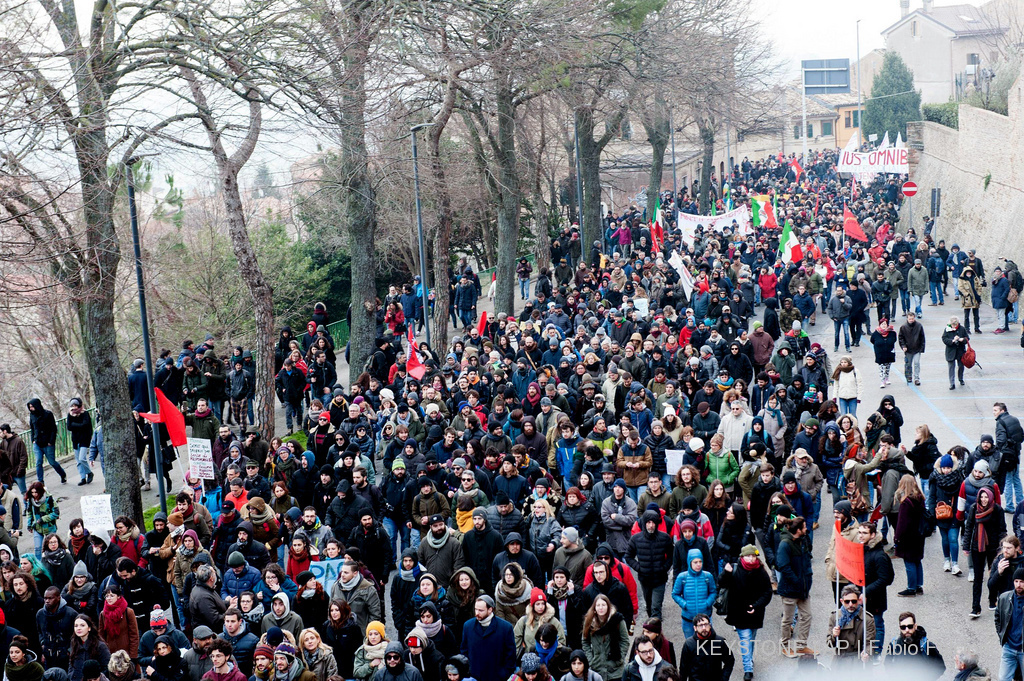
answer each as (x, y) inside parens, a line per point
(924, 490)
(635, 492)
(249, 410)
(950, 541)
(1013, 495)
(179, 607)
(82, 459)
(21, 484)
(414, 538)
(392, 528)
(915, 303)
(466, 317)
(879, 641)
(687, 629)
(904, 302)
(1014, 316)
(747, 637)
(51, 456)
(848, 406)
(1009, 661)
(912, 366)
(524, 288)
(843, 324)
(915, 574)
(935, 291)
(37, 539)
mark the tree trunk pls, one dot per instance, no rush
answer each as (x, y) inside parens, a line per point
(656, 125)
(442, 226)
(707, 141)
(508, 206)
(360, 213)
(590, 171)
(95, 308)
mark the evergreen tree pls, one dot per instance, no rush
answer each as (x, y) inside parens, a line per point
(894, 101)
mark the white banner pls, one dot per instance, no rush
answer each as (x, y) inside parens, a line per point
(200, 459)
(891, 160)
(96, 512)
(688, 223)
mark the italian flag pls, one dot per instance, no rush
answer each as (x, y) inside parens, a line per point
(762, 214)
(658, 225)
(789, 245)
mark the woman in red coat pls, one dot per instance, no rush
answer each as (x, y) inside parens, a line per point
(299, 557)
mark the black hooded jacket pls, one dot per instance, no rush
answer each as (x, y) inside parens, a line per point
(44, 426)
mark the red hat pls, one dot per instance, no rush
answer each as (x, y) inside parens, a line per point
(325, 415)
(413, 642)
(537, 595)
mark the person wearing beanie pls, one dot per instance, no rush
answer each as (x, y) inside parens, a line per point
(842, 511)
(618, 513)
(538, 613)
(288, 664)
(166, 662)
(480, 545)
(370, 656)
(572, 556)
(943, 491)
(160, 625)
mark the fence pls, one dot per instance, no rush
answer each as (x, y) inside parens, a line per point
(63, 446)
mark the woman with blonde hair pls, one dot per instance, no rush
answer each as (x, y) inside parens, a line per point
(605, 638)
(318, 657)
(909, 539)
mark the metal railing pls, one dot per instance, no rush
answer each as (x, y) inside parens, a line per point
(63, 444)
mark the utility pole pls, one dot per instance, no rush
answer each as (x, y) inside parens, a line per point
(860, 114)
(424, 289)
(803, 100)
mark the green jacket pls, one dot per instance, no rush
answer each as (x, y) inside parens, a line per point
(896, 280)
(785, 364)
(917, 281)
(720, 467)
(194, 387)
(603, 660)
(206, 427)
(815, 285)
(42, 518)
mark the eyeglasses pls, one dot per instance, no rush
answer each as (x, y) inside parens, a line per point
(907, 627)
(392, 656)
(851, 601)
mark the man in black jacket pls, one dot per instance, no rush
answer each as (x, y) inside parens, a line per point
(515, 553)
(646, 657)
(1009, 436)
(44, 438)
(140, 588)
(480, 546)
(54, 621)
(878, 575)
(650, 555)
(706, 656)
(911, 654)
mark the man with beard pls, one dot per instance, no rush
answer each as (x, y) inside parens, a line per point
(912, 654)
(705, 656)
(439, 552)
(374, 545)
(479, 548)
(515, 553)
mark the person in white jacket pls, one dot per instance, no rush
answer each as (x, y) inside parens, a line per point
(734, 426)
(847, 385)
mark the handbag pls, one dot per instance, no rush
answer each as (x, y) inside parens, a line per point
(943, 511)
(970, 358)
(722, 601)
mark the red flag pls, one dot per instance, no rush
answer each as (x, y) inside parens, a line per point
(817, 201)
(413, 365)
(481, 328)
(171, 417)
(851, 227)
(849, 558)
(795, 165)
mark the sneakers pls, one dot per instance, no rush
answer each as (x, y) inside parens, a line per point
(83, 482)
(788, 652)
(956, 570)
(975, 614)
(907, 593)
(991, 606)
(917, 381)
(999, 331)
(946, 565)
(881, 384)
(748, 676)
(970, 575)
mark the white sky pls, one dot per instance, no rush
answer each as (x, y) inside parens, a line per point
(827, 29)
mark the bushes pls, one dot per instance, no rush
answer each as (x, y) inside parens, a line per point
(947, 114)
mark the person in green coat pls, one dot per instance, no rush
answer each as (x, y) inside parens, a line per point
(720, 463)
(605, 638)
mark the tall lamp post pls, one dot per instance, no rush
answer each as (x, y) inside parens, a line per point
(424, 289)
(153, 406)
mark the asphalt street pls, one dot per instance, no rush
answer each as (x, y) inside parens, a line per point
(955, 417)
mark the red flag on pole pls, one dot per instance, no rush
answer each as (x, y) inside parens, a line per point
(482, 326)
(414, 365)
(851, 227)
(171, 417)
(795, 165)
(849, 558)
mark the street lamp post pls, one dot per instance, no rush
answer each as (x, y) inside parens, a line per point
(672, 135)
(153, 406)
(424, 289)
(860, 114)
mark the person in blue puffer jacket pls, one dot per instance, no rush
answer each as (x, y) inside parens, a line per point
(694, 590)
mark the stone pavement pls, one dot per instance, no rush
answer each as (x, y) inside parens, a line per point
(955, 417)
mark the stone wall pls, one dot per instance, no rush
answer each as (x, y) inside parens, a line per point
(987, 145)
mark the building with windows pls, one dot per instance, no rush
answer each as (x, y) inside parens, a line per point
(953, 48)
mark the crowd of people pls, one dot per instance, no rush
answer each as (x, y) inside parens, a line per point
(521, 509)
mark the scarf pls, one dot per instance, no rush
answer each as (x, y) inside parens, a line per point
(375, 652)
(55, 558)
(464, 520)
(78, 543)
(775, 414)
(435, 543)
(300, 557)
(545, 654)
(980, 516)
(560, 593)
(112, 615)
(26, 672)
(260, 517)
(845, 616)
(432, 629)
(411, 575)
(201, 414)
(486, 622)
(512, 594)
(311, 657)
(351, 584)
(188, 553)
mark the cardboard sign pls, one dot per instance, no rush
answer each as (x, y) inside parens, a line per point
(96, 512)
(200, 459)
(674, 460)
(326, 571)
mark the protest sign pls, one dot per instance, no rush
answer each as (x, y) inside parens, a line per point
(674, 460)
(96, 512)
(891, 160)
(849, 558)
(200, 459)
(326, 571)
(688, 223)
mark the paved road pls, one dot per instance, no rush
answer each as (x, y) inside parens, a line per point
(955, 417)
